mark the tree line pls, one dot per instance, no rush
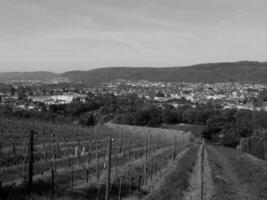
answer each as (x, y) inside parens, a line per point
(227, 124)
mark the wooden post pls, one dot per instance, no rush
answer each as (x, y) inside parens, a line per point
(120, 141)
(129, 149)
(130, 192)
(120, 189)
(145, 166)
(149, 144)
(14, 150)
(53, 170)
(139, 183)
(151, 174)
(96, 153)
(72, 178)
(108, 168)
(30, 161)
(156, 168)
(88, 160)
(116, 166)
(53, 180)
(53, 148)
(202, 168)
(163, 151)
(174, 150)
(87, 175)
(69, 161)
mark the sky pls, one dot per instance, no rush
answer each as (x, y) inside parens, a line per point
(63, 35)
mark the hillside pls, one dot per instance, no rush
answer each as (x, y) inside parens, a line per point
(244, 71)
(38, 75)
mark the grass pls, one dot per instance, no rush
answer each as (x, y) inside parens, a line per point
(177, 180)
(196, 130)
(237, 176)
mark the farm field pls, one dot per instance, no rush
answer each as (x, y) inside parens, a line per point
(124, 162)
(71, 161)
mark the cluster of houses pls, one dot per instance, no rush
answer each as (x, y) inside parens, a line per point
(228, 95)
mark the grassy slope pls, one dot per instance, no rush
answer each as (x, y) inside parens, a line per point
(237, 176)
(177, 180)
(195, 129)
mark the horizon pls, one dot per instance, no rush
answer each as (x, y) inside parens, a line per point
(69, 35)
(94, 68)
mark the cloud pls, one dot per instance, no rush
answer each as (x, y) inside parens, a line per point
(86, 33)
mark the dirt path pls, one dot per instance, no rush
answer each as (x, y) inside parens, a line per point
(172, 185)
(237, 176)
(227, 175)
(200, 189)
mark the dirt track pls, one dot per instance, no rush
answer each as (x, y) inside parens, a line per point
(227, 175)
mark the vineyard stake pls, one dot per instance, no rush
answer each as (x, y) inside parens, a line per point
(151, 174)
(108, 168)
(53, 148)
(174, 150)
(53, 179)
(96, 154)
(145, 167)
(87, 175)
(72, 178)
(120, 141)
(202, 167)
(139, 183)
(129, 149)
(120, 189)
(130, 185)
(30, 162)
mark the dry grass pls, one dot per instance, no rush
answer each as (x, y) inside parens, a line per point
(237, 176)
(196, 130)
(177, 180)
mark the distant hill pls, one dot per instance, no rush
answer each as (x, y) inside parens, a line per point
(38, 75)
(243, 71)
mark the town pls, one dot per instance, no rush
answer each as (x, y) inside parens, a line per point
(40, 94)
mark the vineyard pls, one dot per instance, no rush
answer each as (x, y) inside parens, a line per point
(108, 161)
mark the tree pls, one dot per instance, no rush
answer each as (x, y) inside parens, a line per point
(169, 115)
(229, 137)
(207, 133)
(159, 94)
(244, 123)
(215, 123)
(189, 115)
(88, 119)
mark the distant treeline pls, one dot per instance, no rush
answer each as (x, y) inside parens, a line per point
(230, 125)
(87, 113)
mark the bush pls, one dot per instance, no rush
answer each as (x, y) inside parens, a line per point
(230, 140)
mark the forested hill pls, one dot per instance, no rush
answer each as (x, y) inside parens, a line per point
(37, 75)
(244, 71)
